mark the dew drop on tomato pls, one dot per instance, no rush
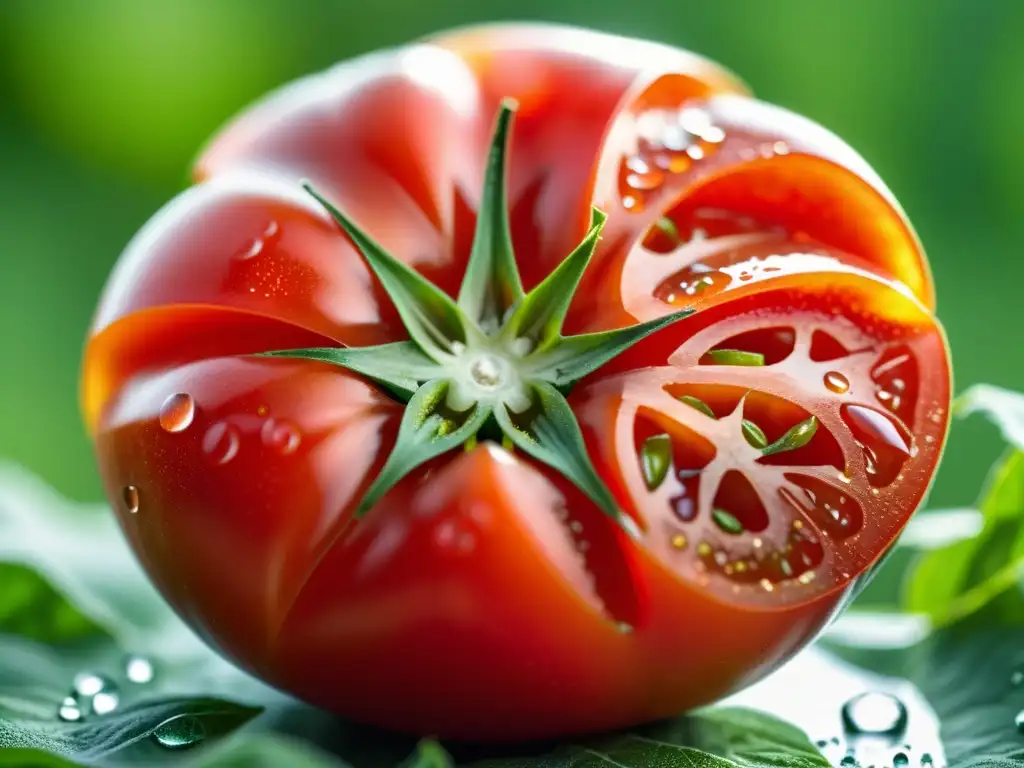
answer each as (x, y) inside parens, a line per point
(131, 498)
(280, 436)
(221, 443)
(836, 382)
(177, 412)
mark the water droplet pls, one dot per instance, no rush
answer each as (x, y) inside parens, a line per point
(105, 702)
(251, 250)
(281, 436)
(679, 541)
(69, 710)
(131, 498)
(643, 176)
(836, 382)
(873, 713)
(848, 761)
(1018, 721)
(631, 203)
(1017, 677)
(138, 670)
(177, 412)
(926, 759)
(821, 743)
(221, 443)
(900, 759)
(179, 732)
(88, 684)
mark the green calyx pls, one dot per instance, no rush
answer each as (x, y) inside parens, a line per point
(495, 359)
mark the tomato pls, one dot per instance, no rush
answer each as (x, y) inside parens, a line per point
(485, 596)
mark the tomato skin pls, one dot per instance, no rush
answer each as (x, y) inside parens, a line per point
(485, 597)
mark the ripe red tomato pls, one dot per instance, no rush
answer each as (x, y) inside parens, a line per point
(485, 596)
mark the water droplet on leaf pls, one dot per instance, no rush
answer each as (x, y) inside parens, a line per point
(139, 670)
(873, 713)
(105, 702)
(69, 710)
(179, 732)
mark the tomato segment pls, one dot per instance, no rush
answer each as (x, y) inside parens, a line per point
(769, 448)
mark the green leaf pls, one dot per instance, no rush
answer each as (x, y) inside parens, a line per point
(539, 317)
(429, 754)
(401, 366)
(716, 738)
(655, 460)
(727, 521)
(1003, 407)
(700, 405)
(754, 434)
(427, 430)
(33, 609)
(735, 357)
(430, 316)
(25, 720)
(796, 437)
(491, 284)
(968, 674)
(552, 435)
(576, 356)
(247, 750)
(982, 573)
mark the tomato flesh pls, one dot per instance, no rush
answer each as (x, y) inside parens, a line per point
(485, 597)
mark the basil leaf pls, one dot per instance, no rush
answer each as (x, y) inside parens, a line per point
(983, 572)
(716, 738)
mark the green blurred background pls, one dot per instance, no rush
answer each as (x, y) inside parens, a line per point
(103, 103)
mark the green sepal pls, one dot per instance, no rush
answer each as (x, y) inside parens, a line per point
(540, 316)
(735, 357)
(797, 437)
(400, 366)
(492, 284)
(655, 460)
(552, 436)
(576, 356)
(430, 316)
(754, 434)
(423, 434)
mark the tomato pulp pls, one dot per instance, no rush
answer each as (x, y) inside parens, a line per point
(485, 596)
